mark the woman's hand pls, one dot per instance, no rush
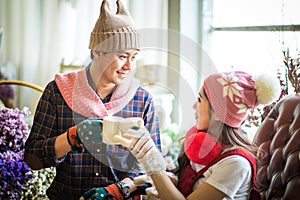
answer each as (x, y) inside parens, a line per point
(141, 145)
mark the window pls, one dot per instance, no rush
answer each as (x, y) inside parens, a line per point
(251, 35)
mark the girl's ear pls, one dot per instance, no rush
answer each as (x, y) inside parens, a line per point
(214, 116)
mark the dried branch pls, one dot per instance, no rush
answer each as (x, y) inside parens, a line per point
(293, 72)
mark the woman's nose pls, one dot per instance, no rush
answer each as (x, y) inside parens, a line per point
(195, 105)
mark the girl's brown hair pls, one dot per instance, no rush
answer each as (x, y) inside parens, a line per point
(229, 136)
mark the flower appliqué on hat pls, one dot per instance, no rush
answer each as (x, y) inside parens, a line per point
(232, 90)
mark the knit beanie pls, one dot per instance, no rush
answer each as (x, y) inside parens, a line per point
(114, 31)
(232, 94)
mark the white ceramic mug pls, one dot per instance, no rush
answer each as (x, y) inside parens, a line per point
(113, 125)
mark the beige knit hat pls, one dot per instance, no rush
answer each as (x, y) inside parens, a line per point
(114, 31)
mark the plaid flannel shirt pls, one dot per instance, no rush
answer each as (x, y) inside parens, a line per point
(78, 172)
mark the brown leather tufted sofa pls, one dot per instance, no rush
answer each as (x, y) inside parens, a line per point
(278, 139)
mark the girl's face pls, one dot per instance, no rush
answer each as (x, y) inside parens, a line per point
(202, 111)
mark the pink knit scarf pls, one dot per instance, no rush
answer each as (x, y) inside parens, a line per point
(82, 99)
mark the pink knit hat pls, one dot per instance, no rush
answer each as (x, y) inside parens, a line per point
(114, 31)
(232, 94)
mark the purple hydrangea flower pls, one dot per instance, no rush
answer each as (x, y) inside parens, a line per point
(14, 172)
(13, 129)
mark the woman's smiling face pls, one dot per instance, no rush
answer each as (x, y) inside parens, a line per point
(202, 111)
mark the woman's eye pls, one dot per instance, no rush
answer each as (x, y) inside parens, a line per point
(199, 100)
(123, 56)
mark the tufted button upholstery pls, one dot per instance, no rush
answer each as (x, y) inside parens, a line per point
(278, 139)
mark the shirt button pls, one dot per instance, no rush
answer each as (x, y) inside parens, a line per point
(97, 174)
(98, 150)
